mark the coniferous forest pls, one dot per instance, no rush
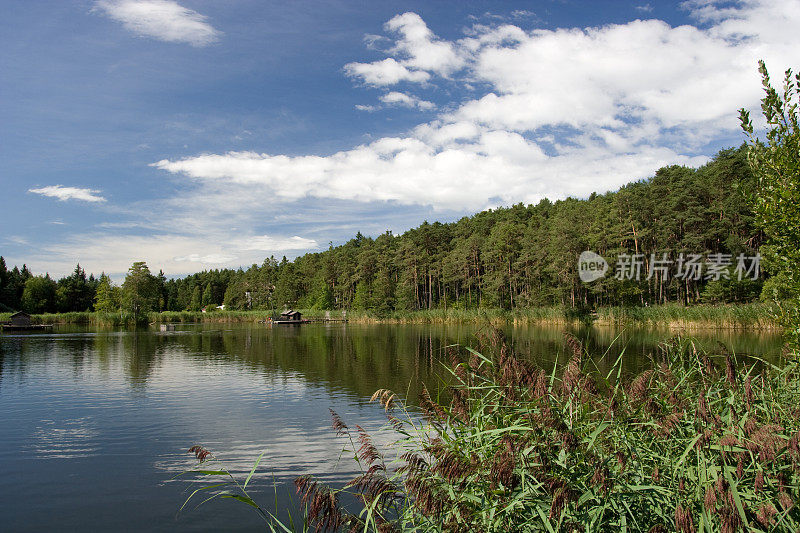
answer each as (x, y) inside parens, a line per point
(516, 257)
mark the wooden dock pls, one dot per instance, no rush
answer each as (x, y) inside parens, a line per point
(303, 321)
(27, 327)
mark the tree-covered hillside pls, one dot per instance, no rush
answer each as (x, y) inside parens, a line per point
(525, 256)
(515, 257)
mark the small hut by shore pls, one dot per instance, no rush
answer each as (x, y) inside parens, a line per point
(291, 317)
(22, 321)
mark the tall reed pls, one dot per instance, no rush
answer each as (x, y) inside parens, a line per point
(734, 316)
(696, 442)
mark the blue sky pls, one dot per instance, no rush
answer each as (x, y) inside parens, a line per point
(207, 134)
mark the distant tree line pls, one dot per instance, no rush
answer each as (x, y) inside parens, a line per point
(20, 289)
(515, 257)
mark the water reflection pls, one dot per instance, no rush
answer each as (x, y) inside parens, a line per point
(357, 359)
(107, 416)
(67, 439)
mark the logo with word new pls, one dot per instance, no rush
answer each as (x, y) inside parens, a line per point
(591, 266)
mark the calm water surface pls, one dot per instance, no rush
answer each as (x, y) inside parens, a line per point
(94, 424)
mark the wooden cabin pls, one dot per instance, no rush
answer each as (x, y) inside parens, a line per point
(21, 319)
(291, 316)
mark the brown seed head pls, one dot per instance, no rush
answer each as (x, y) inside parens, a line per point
(730, 369)
(710, 500)
(338, 423)
(574, 345)
(785, 500)
(765, 513)
(758, 484)
(640, 385)
(560, 499)
(684, 523)
(367, 452)
(199, 452)
(749, 396)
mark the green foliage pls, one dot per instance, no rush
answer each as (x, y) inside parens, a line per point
(383, 293)
(12, 285)
(776, 163)
(686, 444)
(197, 301)
(215, 316)
(139, 292)
(286, 292)
(777, 288)
(319, 297)
(76, 292)
(39, 294)
(523, 257)
(207, 295)
(361, 300)
(730, 290)
(107, 297)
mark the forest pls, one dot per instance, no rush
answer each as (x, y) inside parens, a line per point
(516, 257)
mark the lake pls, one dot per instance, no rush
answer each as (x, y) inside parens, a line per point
(94, 424)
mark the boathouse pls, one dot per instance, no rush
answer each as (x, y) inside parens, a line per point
(290, 315)
(20, 319)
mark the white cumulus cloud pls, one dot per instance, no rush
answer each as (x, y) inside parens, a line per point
(386, 72)
(170, 252)
(420, 48)
(69, 193)
(534, 113)
(208, 259)
(406, 100)
(560, 112)
(164, 20)
(267, 243)
(420, 53)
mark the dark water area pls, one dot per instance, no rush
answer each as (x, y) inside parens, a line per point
(94, 424)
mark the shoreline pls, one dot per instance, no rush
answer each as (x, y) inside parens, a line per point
(751, 316)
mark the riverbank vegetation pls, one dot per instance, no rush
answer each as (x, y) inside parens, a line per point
(695, 442)
(754, 316)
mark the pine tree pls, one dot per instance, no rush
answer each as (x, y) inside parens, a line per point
(107, 297)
